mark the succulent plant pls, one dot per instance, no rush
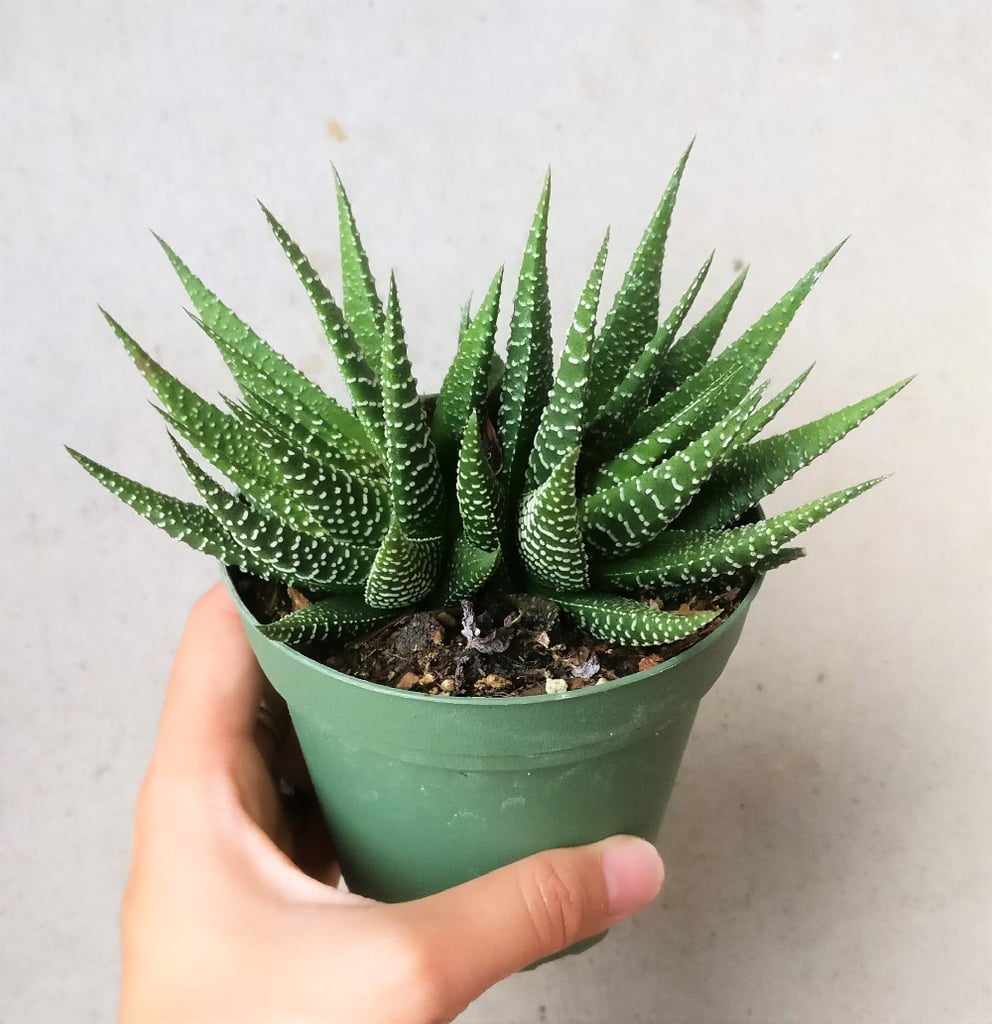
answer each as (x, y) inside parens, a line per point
(629, 471)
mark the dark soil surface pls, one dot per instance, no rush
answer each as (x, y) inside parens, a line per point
(498, 646)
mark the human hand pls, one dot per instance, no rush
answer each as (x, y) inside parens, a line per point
(231, 914)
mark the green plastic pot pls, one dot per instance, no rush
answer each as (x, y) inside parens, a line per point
(422, 793)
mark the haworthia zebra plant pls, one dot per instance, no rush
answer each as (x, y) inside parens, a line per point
(627, 472)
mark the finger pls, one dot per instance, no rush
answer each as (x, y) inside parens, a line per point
(212, 700)
(534, 908)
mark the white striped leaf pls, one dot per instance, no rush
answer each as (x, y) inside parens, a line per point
(550, 533)
(465, 384)
(337, 502)
(250, 359)
(405, 569)
(469, 568)
(753, 471)
(476, 491)
(751, 351)
(360, 380)
(415, 484)
(679, 431)
(690, 352)
(181, 520)
(333, 618)
(634, 512)
(680, 557)
(633, 318)
(217, 435)
(764, 414)
(624, 621)
(288, 555)
(631, 395)
(564, 418)
(263, 420)
(362, 308)
(527, 375)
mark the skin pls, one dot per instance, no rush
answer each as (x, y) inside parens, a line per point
(232, 914)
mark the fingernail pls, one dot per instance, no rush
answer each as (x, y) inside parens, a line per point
(633, 872)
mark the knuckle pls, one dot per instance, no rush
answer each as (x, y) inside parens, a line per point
(555, 901)
(414, 969)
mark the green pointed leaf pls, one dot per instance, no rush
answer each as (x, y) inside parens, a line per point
(469, 568)
(549, 531)
(527, 377)
(362, 308)
(333, 618)
(751, 351)
(620, 620)
(182, 520)
(284, 553)
(764, 414)
(405, 569)
(267, 496)
(360, 380)
(415, 484)
(634, 512)
(679, 431)
(738, 578)
(689, 353)
(218, 436)
(564, 418)
(257, 366)
(257, 412)
(681, 557)
(633, 320)
(753, 471)
(466, 382)
(476, 491)
(332, 500)
(613, 420)
(275, 403)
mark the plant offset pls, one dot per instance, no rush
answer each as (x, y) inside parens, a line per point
(613, 487)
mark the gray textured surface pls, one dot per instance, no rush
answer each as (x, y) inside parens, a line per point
(828, 842)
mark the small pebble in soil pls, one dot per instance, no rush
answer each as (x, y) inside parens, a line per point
(556, 686)
(493, 682)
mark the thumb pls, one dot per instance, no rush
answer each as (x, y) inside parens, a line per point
(508, 919)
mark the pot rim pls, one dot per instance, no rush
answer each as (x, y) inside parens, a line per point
(391, 692)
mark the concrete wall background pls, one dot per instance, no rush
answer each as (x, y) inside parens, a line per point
(828, 841)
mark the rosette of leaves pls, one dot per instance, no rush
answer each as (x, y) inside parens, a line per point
(628, 469)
